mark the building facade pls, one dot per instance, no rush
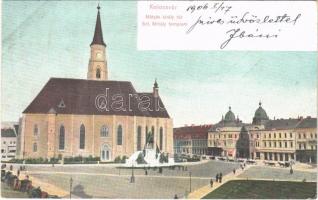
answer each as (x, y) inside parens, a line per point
(94, 116)
(224, 136)
(306, 140)
(9, 141)
(191, 140)
(265, 139)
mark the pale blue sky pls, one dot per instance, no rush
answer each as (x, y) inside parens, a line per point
(51, 39)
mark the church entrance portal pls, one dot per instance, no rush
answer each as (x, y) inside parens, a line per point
(105, 153)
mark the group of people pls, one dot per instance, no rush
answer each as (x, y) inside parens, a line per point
(218, 178)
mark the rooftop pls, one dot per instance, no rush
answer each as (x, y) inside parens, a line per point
(192, 132)
(9, 132)
(90, 97)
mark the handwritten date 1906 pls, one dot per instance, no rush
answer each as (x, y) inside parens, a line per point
(217, 7)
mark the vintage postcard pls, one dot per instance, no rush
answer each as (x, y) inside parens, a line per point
(159, 99)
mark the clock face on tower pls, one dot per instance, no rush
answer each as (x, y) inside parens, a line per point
(98, 55)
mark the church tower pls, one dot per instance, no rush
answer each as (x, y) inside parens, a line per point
(97, 66)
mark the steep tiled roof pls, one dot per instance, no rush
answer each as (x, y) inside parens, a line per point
(308, 123)
(8, 132)
(192, 132)
(280, 124)
(88, 97)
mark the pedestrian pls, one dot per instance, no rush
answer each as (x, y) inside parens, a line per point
(220, 178)
(233, 171)
(146, 172)
(217, 178)
(18, 173)
(244, 165)
(211, 182)
(11, 167)
(175, 196)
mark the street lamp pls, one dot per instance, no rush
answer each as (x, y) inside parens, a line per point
(71, 183)
(132, 179)
(190, 180)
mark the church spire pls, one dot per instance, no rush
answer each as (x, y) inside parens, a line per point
(98, 35)
(155, 89)
(97, 66)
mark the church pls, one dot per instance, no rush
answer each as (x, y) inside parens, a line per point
(95, 116)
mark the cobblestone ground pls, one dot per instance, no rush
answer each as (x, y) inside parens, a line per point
(105, 181)
(265, 172)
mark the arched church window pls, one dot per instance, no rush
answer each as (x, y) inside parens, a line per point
(104, 131)
(152, 130)
(35, 147)
(146, 132)
(82, 137)
(35, 130)
(119, 135)
(161, 138)
(139, 138)
(98, 73)
(62, 138)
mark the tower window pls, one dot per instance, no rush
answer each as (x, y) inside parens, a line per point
(98, 73)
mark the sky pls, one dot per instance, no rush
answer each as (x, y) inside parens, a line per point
(51, 39)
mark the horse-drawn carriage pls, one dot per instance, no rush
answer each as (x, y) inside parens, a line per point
(269, 163)
(24, 185)
(284, 164)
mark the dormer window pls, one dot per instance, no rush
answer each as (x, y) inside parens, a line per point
(61, 104)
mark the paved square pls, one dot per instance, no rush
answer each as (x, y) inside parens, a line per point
(108, 181)
(111, 182)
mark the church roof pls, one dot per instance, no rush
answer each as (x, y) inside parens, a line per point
(88, 97)
(98, 34)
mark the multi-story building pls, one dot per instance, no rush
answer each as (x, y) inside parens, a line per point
(265, 139)
(8, 142)
(94, 116)
(306, 140)
(275, 141)
(224, 136)
(191, 140)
